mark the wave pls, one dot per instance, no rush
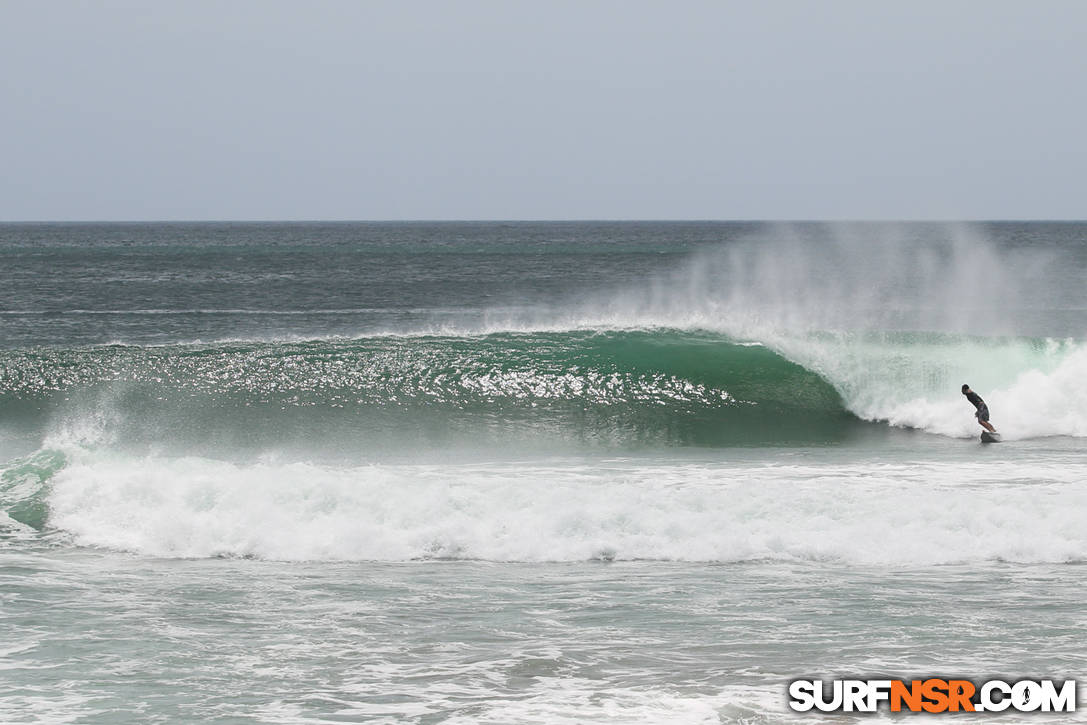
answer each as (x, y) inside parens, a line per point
(597, 388)
(904, 514)
(370, 449)
(545, 391)
(24, 487)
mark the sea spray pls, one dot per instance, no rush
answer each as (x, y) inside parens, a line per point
(839, 277)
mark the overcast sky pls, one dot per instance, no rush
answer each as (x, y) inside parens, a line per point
(269, 109)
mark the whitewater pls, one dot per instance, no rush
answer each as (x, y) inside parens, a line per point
(553, 472)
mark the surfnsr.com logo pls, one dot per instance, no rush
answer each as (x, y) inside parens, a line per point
(932, 695)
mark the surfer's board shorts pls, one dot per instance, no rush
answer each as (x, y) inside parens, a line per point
(983, 413)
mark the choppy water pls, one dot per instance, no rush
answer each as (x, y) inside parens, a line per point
(532, 472)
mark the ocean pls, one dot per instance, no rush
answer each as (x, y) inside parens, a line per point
(578, 472)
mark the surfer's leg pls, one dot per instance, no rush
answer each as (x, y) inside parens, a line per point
(983, 417)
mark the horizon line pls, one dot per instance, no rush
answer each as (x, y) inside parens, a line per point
(578, 220)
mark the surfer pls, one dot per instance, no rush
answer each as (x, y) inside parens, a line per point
(982, 413)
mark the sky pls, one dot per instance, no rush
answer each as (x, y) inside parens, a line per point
(587, 109)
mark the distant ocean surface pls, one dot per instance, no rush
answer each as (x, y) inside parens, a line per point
(533, 472)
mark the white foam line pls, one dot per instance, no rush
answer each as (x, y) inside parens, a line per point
(930, 513)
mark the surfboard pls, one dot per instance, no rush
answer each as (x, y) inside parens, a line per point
(987, 437)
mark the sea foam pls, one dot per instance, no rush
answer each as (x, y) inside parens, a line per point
(864, 513)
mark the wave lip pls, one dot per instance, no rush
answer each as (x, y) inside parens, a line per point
(880, 514)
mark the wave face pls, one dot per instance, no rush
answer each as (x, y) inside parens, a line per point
(369, 398)
(602, 388)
